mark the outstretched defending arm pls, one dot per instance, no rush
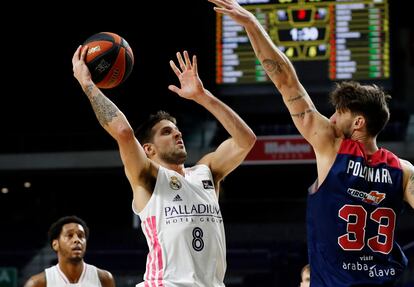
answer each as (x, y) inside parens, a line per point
(311, 124)
(232, 151)
(115, 123)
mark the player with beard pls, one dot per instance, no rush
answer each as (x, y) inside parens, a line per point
(361, 188)
(68, 237)
(178, 206)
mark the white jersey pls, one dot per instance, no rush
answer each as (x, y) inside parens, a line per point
(56, 278)
(184, 230)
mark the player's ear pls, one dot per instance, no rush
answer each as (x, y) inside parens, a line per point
(359, 122)
(55, 245)
(149, 149)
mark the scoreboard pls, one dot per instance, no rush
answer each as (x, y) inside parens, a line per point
(326, 40)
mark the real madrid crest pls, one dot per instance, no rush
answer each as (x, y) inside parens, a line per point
(175, 183)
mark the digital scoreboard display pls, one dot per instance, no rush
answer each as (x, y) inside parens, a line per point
(326, 40)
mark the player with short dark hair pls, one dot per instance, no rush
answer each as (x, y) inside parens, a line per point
(68, 237)
(178, 205)
(56, 228)
(144, 132)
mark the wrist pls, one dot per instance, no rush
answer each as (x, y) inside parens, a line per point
(203, 97)
(251, 22)
(88, 87)
(87, 84)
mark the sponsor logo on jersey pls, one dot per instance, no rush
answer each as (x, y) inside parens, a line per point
(175, 183)
(177, 198)
(373, 197)
(194, 209)
(181, 213)
(207, 184)
(373, 271)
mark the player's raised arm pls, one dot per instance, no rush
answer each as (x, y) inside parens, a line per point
(310, 123)
(116, 124)
(232, 151)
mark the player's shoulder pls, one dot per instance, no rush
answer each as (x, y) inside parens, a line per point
(37, 280)
(408, 170)
(198, 166)
(406, 166)
(106, 278)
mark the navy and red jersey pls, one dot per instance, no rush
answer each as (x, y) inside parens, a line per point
(351, 220)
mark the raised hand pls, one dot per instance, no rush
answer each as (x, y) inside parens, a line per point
(191, 85)
(233, 10)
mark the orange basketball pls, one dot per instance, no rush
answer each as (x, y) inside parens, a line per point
(110, 59)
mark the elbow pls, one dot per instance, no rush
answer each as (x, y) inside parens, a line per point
(249, 141)
(124, 133)
(286, 81)
(252, 140)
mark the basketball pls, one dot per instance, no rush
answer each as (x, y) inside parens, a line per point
(109, 58)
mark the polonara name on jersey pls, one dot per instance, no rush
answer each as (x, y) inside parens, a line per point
(371, 174)
(190, 213)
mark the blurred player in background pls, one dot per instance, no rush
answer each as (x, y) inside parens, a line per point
(305, 276)
(68, 237)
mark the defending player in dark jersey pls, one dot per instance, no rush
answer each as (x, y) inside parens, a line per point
(353, 206)
(351, 219)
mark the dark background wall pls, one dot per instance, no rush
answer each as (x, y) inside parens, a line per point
(44, 108)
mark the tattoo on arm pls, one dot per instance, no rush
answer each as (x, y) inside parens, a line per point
(302, 114)
(272, 66)
(88, 91)
(104, 109)
(290, 100)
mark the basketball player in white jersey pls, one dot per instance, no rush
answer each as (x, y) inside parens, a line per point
(68, 236)
(178, 206)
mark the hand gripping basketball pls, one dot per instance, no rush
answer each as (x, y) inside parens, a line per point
(110, 59)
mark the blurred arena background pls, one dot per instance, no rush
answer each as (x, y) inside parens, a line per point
(56, 160)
